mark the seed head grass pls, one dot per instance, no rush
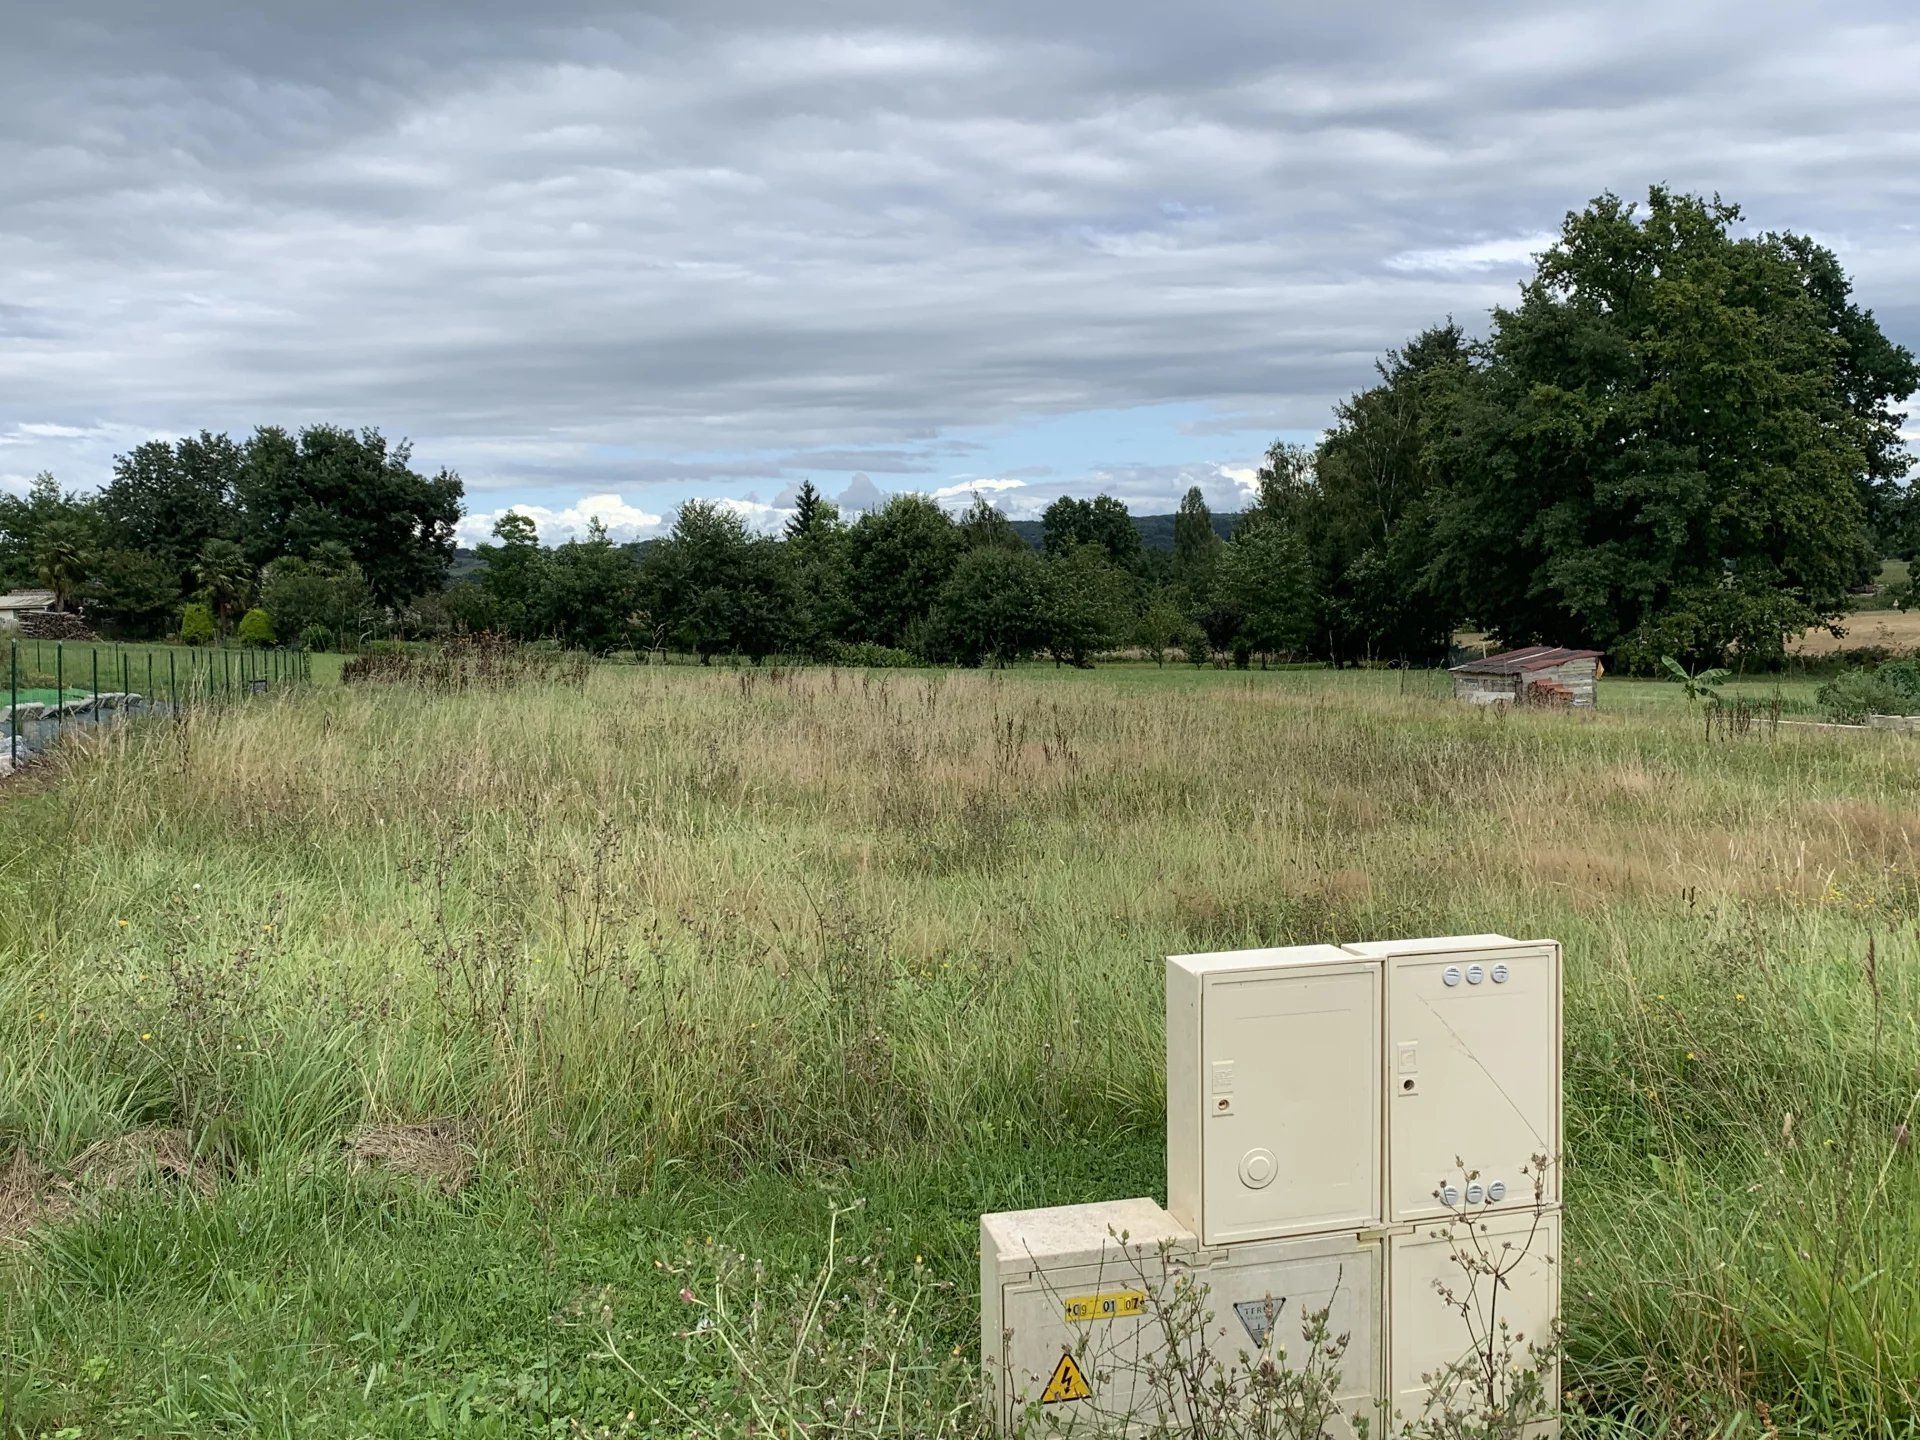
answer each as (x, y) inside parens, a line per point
(457, 1008)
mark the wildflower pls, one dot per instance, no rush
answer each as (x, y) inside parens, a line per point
(146, 1035)
(1738, 995)
(266, 929)
(686, 1296)
(1689, 1055)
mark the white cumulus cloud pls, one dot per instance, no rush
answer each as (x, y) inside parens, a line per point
(624, 521)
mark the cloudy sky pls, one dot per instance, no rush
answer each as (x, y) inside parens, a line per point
(601, 258)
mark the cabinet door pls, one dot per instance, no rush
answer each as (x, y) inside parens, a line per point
(1290, 1134)
(1473, 1079)
(1262, 1295)
(1085, 1350)
(1429, 1335)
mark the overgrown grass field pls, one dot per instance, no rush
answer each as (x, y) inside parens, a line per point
(379, 1063)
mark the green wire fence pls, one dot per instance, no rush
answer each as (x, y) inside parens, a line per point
(73, 682)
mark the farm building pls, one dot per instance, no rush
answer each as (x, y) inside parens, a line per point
(16, 603)
(1538, 675)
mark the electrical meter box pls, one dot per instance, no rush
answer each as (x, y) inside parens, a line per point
(1070, 1319)
(1430, 1336)
(1262, 1295)
(1472, 1039)
(1274, 1079)
(1349, 1129)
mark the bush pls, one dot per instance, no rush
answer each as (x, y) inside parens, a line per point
(196, 624)
(1892, 689)
(316, 637)
(859, 653)
(325, 589)
(256, 628)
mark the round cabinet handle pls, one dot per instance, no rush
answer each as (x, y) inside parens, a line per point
(1257, 1169)
(1497, 1191)
(1450, 976)
(1475, 974)
(1500, 973)
(1449, 1195)
(1475, 1193)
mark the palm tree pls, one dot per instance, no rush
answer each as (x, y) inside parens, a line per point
(62, 559)
(225, 578)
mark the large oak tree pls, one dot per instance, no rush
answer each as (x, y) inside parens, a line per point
(1675, 443)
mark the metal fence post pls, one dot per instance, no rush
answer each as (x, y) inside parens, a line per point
(173, 685)
(13, 715)
(95, 712)
(59, 672)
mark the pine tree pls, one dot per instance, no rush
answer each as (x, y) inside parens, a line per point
(807, 507)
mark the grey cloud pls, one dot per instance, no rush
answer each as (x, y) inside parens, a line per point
(576, 251)
(861, 494)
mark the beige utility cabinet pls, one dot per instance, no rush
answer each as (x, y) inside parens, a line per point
(1344, 1125)
(1428, 1335)
(1069, 1319)
(1473, 1073)
(1273, 1092)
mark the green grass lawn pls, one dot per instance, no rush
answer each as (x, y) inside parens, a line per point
(385, 1064)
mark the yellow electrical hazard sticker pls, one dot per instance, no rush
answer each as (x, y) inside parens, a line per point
(1111, 1305)
(1067, 1384)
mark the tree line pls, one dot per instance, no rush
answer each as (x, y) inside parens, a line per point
(905, 583)
(312, 537)
(1679, 441)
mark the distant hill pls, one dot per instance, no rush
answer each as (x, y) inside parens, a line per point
(1156, 533)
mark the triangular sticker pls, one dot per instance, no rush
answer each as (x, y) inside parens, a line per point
(1067, 1384)
(1257, 1317)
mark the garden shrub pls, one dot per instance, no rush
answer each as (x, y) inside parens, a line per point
(256, 628)
(196, 624)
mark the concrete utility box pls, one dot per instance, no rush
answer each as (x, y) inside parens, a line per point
(1067, 1319)
(1273, 1092)
(1473, 1054)
(1428, 1335)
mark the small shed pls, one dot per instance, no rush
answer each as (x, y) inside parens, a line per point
(1536, 675)
(16, 603)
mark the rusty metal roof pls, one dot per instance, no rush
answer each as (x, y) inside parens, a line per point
(1524, 661)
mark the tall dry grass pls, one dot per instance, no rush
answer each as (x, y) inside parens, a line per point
(751, 924)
